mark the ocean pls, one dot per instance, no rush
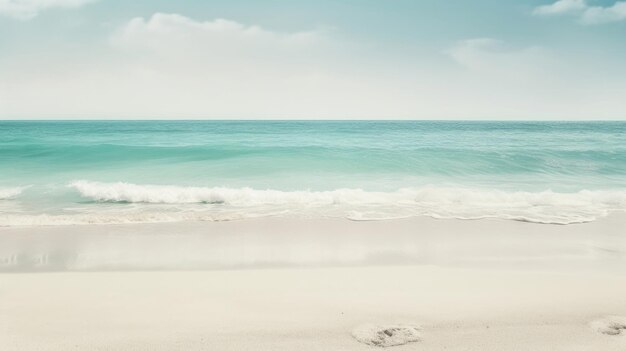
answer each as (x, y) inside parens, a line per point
(97, 172)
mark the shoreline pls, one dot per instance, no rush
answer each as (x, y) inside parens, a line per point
(272, 242)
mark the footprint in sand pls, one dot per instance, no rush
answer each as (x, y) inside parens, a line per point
(612, 325)
(387, 335)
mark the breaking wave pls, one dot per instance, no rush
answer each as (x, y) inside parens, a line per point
(10, 193)
(117, 203)
(220, 203)
(170, 194)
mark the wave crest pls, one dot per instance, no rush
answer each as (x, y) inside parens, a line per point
(171, 194)
(357, 204)
(10, 193)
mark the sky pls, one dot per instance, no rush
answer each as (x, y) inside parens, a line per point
(322, 59)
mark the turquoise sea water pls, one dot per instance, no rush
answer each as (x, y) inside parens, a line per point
(61, 172)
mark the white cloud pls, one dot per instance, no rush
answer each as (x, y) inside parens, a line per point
(561, 7)
(586, 13)
(531, 82)
(27, 9)
(598, 14)
(172, 66)
(175, 27)
(176, 39)
(489, 56)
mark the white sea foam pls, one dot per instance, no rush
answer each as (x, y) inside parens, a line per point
(159, 203)
(113, 218)
(10, 193)
(220, 203)
(167, 194)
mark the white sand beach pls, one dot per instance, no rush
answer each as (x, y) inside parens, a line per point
(307, 309)
(285, 284)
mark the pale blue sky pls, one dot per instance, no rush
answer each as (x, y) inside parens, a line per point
(393, 59)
